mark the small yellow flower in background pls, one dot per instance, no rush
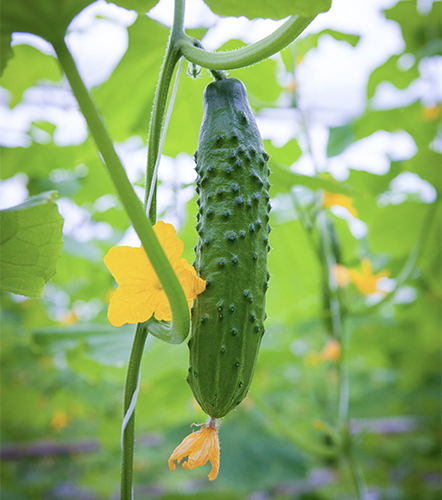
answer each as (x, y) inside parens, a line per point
(140, 294)
(59, 420)
(200, 447)
(319, 426)
(365, 280)
(69, 318)
(431, 114)
(342, 275)
(312, 359)
(331, 351)
(332, 199)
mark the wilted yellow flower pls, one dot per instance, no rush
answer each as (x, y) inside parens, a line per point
(332, 199)
(199, 447)
(140, 293)
(331, 351)
(365, 280)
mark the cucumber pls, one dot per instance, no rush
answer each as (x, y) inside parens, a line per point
(231, 253)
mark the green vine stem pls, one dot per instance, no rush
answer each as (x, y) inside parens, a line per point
(131, 203)
(160, 101)
(133, 372)
(159, 260)
(250, 54)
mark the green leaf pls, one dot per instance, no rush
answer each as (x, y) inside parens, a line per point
(341, 37)
(46, 18)
(133, 82)
(140, 6)
(104, 344)
(339, 139)
(304, 44)
(366, 183)
(421, 32)
(287, 155)
(390, 72)
(26, 68)
(277, 9)
(398, 227)
(284, 179)
(5, 50)
(31, 241)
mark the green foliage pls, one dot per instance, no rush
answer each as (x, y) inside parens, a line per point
(30, 245)
(261, 8)
(26, 68)
(48, 18)
(140, 6)
(63, 365)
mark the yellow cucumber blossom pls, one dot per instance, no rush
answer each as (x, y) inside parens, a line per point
(331, 351)
(200, 447)
(332, 199)
(365, 280)
(140, 293)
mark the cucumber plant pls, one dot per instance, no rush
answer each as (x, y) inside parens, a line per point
(231, 253)
(233, 213)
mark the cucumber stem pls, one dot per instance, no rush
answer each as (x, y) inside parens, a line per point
(250, 54)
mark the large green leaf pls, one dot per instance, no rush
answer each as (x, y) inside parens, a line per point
(125, 99)
(46, 18)
(141, 6)
(277, 9)
(422, 32)
(30, 245)
(26, 68)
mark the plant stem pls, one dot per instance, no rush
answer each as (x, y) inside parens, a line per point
(160, 101)
(132, 375)
(151, 245)
(131, 203)
(251, 54)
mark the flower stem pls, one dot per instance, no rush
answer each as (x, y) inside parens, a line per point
(249, 55)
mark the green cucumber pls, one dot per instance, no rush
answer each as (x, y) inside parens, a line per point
(231, 253)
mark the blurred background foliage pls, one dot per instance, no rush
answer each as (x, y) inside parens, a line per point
(63, 366)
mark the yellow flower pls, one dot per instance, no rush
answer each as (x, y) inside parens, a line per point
(431, 114)
(366, 281)
(140, 294)
(59, 420)
(331, 351)
(200, 446)
(342, 275)
(331, 199)
(312, 359)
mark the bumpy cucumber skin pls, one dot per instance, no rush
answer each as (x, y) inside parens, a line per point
(231, 254)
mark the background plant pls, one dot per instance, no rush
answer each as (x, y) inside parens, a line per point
(64, 383)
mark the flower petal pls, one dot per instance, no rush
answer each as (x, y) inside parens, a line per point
(130, 305)
(172, 245)
(200, 447)
(128, 265)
